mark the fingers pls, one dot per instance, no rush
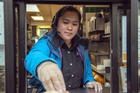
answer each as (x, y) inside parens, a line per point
(45, 78)
(51, 77)
(49, 85)
(96, 85)
(100, 86)
(61, 79)
(57, 83)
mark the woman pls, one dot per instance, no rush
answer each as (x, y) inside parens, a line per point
(59, 60)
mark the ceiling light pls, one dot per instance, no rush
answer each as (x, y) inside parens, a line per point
(32, 8)
(37, 18)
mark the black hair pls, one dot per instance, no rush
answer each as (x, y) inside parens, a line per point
(61, 12)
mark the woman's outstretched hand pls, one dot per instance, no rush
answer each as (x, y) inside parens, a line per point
(51, 77)
(96, 85)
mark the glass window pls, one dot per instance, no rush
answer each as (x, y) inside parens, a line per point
(2, 50)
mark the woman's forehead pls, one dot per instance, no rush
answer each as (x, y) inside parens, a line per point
(70, 14)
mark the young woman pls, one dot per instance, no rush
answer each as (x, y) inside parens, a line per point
(59, 61)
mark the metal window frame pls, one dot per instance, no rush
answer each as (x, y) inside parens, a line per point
(10, 51)
(132, 47)
(89, 2)
(115, 50)
(10, 46)
(22, 45)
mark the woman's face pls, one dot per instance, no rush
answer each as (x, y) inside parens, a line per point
(68, 25)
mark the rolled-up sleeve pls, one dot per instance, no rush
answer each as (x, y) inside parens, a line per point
(38, 54)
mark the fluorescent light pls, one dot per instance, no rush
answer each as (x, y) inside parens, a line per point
(37, 18)
(32, 8)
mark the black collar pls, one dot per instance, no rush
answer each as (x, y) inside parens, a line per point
(59, 42)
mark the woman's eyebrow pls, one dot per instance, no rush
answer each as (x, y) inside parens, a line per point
(69, 20)
(65, 19)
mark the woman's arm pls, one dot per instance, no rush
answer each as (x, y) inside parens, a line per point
(38, 54)
(90, 83)
(45, 68)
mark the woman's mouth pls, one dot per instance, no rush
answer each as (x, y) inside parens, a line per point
(67, 33)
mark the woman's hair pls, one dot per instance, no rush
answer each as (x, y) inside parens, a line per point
(61, 12)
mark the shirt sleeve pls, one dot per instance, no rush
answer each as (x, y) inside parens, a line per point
(38, 54)
(88, 71)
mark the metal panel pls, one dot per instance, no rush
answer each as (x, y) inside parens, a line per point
(132, 47)
(115, 51)
(22, 44)
(75, 1)
(10, 51)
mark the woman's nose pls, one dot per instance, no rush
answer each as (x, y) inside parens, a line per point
(70, 26)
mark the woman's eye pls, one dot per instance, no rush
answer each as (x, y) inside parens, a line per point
(75, 24)
(65, 22)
